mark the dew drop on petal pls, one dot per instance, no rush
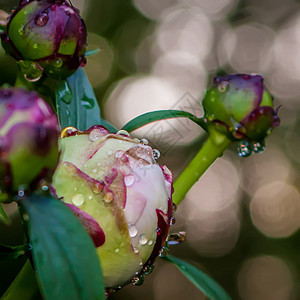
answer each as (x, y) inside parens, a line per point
(129, 180)
(95, 135)
(223, 86)
(150, 243)
(136, 250)
(143, 239)
(35, 46)
(108, 197)
(42, 19)
(68, 131)
(138, 280)
(156, 154)
(78, 199)
(144, 142)
(119, 154)
(132, 231)
(57, 63)
(123, 132)
(117, 250)
(148, 269)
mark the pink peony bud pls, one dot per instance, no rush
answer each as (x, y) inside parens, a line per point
(114, 180)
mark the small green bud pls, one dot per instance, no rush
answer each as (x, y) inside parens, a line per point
(239, 106)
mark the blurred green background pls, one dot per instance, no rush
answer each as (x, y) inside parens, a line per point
(242, 218)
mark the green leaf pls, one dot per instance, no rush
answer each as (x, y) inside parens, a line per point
(3, 216)
(153, 116)
(64, 255)
(92, 52)
(203, 282)
(76, 102)
(12, 252)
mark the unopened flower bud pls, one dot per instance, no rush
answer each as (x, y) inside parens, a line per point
(28, 139)
(49, 33)
(113, 180)
(241, 107)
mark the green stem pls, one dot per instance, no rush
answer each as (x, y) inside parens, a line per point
(213, 148)
(24, 286)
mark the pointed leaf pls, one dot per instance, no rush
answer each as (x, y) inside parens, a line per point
(76, 102)
(202, 281)
(158, 115)
(64, 255)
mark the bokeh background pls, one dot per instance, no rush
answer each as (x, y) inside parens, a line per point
(242, 218)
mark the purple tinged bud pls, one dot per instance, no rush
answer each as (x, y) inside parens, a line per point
(50, 33)
(240, 106)
(28, 138)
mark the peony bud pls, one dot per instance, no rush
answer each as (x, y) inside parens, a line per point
(121, 195)
(49, 33)
(28, 138)
(240, 106)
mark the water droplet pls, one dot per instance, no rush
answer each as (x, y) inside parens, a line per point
(80, 30)
(223, 86)
(132, 231)
(68, 131)
(78, 199)
(53, 7)
(117, 250)
(75, 189)
(129, 180)
(135, 250)
(156, 154)
(108, 197)
(109, 152)
(258, 147)
(174, 207)
(172, 221)
(164, 250)
(90, 197)
(45, 188)
(57, 63)
(25, 217)
(21, 193)
(150, 243)
(35, 46)
(148, 269)
(87, 102)
(42, 19)
(94, 170)
(144, 142)
(21, 31)
(143, 239)
(244, 149)
(176, 238)
(97, 188)
(138, 280)
(119, 154)
(95, 135)
(123, 132)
